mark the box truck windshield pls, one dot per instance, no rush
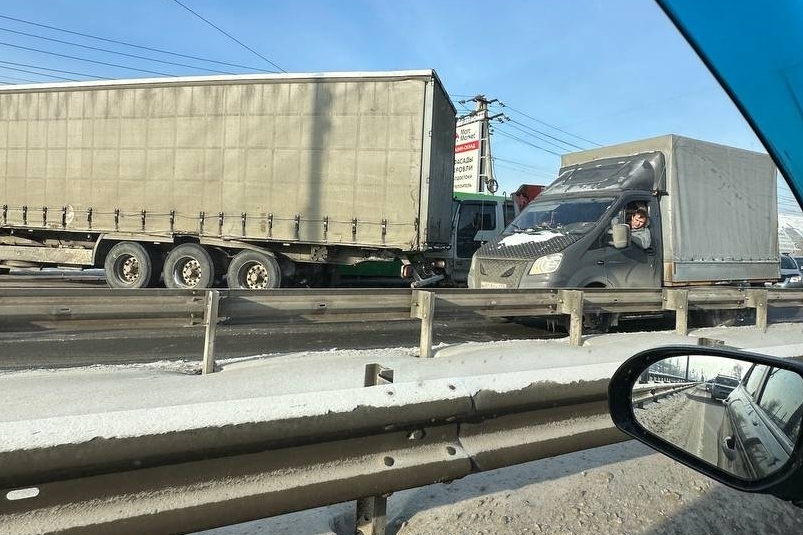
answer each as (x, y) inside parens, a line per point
(564, 215)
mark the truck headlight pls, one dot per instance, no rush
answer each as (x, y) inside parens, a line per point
(546, 264)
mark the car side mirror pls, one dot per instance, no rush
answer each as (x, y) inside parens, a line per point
(732, 415)
(620, 235)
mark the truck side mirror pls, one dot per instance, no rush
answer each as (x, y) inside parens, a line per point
(621, 235)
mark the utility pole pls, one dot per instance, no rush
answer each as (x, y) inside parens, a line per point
(487, 179)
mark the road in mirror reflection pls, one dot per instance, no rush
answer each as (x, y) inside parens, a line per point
(740, 417)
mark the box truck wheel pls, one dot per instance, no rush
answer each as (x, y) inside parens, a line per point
(597, 322)
(130, 265)
(253, 270)
(189, 266)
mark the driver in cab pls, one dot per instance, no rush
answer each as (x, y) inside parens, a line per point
(639, 232)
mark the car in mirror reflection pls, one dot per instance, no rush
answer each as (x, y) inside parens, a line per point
(722, 385)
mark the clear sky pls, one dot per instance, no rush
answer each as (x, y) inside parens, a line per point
(571, 73)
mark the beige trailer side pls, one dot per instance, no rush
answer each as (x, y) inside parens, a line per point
(281, 157)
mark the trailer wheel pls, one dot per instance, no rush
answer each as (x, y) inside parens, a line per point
(189, 266)
(253, 270)
(129, 265)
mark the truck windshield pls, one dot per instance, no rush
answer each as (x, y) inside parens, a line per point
(573, 216)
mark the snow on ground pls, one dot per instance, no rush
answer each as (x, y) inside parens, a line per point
(621, 488)
(120, 400)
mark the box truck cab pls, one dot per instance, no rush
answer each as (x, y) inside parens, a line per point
(475, 219)
(712, 217)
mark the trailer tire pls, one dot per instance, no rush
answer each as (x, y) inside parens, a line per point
(129, 265)
(253, 270)
(187, 267)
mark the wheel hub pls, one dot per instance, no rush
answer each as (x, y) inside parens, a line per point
(257, 277)
(130, 269)
(191, 272)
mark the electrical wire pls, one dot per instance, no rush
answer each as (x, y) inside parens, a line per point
(530, 168)
(53, 70)
(98, 49)
(508, 135)
(37, 74)
(84, 59)
(17, 79)
(522, 171)
(547, 124)
(569, 143)
(160, 51)
(522, 130)
(229, 36)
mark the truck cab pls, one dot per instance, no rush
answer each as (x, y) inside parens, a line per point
(577, 232)
(566, 236)
(476, 219)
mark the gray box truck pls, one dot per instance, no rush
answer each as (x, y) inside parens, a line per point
(712, 218)
(257, 180)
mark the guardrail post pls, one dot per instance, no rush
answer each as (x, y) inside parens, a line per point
(758, 299)
(371, 516)
(423, 308)
(571, 302)
(678, 300)
(210, 323)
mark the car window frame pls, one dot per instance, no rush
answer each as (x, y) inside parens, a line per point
(787, 442)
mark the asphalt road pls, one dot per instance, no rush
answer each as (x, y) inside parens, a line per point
(689, 419)
(52, 346)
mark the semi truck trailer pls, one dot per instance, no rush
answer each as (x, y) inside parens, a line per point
(252, 181)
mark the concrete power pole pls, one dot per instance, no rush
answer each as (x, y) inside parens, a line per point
(486, 171)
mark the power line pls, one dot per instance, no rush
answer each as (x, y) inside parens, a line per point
(229, 36)
(516, 163)
(160, 51)
(569, 143)
(521, 170)
(536, 137)
(522, 164)
(111, 51)
(547, 124)
(53, 70)
(505, 134)
(36, 73)
(511, 168)
(84, 59)
(16, 79)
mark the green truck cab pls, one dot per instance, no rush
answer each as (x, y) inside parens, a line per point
(476, 218)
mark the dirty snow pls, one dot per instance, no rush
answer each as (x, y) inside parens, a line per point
(616, 489)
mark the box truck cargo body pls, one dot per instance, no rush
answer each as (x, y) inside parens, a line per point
(263, 178)
(712, 218)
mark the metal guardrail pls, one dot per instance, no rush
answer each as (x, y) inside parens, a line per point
(329, 448)
(650, 393)
(143, 308)
(333, 447)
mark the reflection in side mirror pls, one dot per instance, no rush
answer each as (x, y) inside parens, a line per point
(732, 415)
(621, 235)
(751, 434)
